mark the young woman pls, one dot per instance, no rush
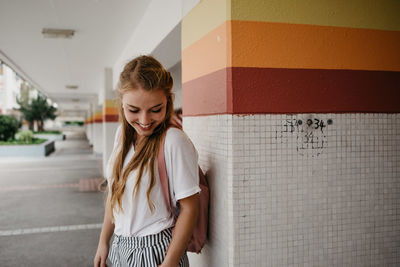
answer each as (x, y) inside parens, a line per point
(135, 210)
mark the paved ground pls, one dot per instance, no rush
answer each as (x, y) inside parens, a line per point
(45, 218)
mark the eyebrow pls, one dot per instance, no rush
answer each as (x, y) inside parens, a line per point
(132, 106)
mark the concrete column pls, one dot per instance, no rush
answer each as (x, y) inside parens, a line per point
(211, 133)
(110, 116)
(293, 107)
(98, 130)
(89, 124)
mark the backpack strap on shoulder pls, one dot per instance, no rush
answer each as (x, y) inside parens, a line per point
(162, 171)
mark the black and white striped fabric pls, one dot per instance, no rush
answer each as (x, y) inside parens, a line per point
(146, 251)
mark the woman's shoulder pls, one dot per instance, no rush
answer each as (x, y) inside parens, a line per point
(175, 136)
(177, 139)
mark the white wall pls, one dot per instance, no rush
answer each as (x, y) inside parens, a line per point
(160, 18)
(97, 128)
(176, 72)
(287, 194)
(10, 89)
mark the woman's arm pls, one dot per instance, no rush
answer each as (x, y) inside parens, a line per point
(105, 236)
(184, 226)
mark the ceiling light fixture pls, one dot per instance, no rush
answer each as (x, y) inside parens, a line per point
(57, 33)
(71, 87)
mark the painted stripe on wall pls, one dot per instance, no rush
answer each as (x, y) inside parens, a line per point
(265, 90)
(280, 45)
(208, 95)
(110, 103)
(213, 52)
(110, 118)
(203, 18)
(98, 116)
(110, 110)
(368, 14)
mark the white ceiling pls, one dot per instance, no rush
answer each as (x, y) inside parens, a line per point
(103, 27)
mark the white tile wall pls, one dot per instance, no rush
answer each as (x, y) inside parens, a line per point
(285, 193)
(212, 137)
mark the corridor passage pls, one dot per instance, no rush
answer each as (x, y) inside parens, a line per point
(51, 214)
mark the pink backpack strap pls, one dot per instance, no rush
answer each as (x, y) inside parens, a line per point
(162, 171)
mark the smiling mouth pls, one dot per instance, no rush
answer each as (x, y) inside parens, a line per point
(144, 127)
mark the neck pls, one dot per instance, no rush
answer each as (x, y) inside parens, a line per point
(138, 139)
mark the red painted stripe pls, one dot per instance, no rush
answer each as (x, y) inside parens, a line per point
(208, 94)
(266, 90)
(110, 118)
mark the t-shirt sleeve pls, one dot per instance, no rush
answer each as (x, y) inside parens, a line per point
(181, 160)
(117, 136)
(111, 159)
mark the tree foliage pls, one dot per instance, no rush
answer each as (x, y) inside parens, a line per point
(8, 127)
(37, 110)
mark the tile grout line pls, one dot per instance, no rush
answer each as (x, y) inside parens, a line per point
(63, 228)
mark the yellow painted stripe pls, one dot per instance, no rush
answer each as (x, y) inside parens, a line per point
(204, 17)
(281, 45)
(367, 14)
(110, 103)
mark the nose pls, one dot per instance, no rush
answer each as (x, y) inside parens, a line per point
(144, 118)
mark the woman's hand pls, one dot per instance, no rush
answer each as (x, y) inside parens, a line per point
(184, 226)
(101, 255)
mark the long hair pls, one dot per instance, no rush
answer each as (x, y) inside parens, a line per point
(147, 73)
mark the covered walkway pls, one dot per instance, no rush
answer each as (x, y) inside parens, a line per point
(50, 215)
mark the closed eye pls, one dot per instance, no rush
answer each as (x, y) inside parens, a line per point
(154, 111)
(157, 110)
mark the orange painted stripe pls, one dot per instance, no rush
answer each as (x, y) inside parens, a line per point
(209, 54)
(98, 116)
(265, 90)
(110, 111)
(282, 45)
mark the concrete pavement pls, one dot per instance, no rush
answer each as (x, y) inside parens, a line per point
(45, 219)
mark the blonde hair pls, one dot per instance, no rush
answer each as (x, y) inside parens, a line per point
(147, 73)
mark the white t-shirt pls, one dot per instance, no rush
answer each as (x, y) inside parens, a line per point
(181, 160)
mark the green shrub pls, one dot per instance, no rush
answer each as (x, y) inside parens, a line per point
(48, 132)
(26, 137)
(8, 127)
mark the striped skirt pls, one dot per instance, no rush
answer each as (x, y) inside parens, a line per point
(146, 251)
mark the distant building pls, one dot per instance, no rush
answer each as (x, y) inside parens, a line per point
(10, 86)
